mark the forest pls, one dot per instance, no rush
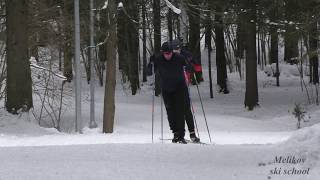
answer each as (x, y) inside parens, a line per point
(82, 92)
(119, 36)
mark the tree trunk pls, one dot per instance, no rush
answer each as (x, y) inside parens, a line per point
(274, 41)
(122, 39)
(194, 32)
(109, 96)
(240, 35)
(208, 31)
(251, 95)
(291, 45)
(183, 21)
(157, 26)
(19, 82)
(100, 51)
(220, 52)
(274, 45)
(68, 39)
(60, 30)
(170, 25)
(291, 36)
(133, 45)
(313, 41)
(144, 42)
(157, 39)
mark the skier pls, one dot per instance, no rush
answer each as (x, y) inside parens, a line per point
(170, 66)
(176, 45)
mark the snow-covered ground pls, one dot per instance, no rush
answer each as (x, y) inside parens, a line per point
(245, 143)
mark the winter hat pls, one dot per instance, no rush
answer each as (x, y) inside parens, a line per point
(176, 44)
(166, 47)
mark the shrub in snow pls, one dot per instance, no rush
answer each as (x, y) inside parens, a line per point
(51, 98)
(299, 114)
(271, 70)
(268, 70)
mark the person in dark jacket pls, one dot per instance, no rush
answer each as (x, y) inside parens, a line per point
(169, 66)
(176, 45)
(195, 77)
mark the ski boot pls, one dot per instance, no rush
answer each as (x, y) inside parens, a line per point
(194, 138)
(178, 139)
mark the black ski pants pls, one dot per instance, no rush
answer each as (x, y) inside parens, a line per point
(175, 106)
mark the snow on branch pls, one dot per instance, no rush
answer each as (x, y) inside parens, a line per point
(34, 65)
(172, 7)
(120, 5)
(105, 5)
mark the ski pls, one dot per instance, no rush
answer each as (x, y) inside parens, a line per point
(191, 142)
(188, 141)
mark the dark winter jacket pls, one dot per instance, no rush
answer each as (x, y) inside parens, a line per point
(171, 72)
(188, 56)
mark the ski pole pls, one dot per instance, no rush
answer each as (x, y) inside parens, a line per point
(152, 119)
(191, 105)
(204, 114)
(161, 119)
(192, 109)
(194, 117)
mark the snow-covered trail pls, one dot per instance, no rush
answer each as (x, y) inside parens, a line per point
(134, 161)
(143, 162)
